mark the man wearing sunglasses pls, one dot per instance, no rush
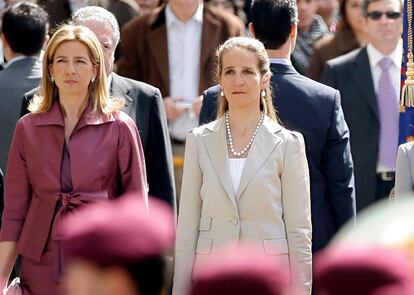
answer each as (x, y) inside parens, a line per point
(369, 82)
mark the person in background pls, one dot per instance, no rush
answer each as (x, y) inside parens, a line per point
(328, 10)
(404, 171)
(350, 34)
(116, 248)
(242, 272)
(369, 82)
(23, 69)
(172, 48)
(143, 104)
(148, 6)
(235, 7)
(310, 108)
(363, 270)
(237, 186)
(311, 27)
(74, 148)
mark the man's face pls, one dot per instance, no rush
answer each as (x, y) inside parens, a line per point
(105, 37)
(387, 29)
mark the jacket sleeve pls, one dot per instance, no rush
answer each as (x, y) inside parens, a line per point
(131, 163)
(296, 210)
(403, 177)
(17, 189)
(159, 155)
(128, 64)
(209, 105)
(188, 218)
(337, 167)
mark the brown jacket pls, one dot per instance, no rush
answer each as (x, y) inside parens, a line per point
(145, 53)
(330, 47)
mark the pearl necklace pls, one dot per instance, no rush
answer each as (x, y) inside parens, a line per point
(230, 138)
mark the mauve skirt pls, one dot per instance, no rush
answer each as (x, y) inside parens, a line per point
(36, 278)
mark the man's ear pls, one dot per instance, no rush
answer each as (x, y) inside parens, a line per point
(251, 29)
(293, 31)
(4, 40)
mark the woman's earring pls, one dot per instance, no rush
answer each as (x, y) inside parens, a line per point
(222, 93)
(93, 79)
(263, 93)
(52, 78)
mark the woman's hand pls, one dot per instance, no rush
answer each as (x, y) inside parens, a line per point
(8, 254)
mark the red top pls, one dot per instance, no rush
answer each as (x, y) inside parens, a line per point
(106, 159)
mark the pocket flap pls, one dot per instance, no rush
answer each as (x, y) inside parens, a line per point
(205, 223)
(204, 246)
(275, 246)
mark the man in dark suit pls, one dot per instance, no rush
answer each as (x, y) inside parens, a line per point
(143, 103)
(308, 107)
(370, 99)
(24, 32)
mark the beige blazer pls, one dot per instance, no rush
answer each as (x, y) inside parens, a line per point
(272, 206)
(404, 172)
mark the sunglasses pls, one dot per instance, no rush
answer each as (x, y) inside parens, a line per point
(376, 15)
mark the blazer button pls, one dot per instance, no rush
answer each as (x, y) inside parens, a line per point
(234, 220)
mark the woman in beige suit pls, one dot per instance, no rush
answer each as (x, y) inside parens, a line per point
(245, 176)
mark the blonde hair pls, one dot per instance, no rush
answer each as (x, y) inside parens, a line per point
(98, 96)
(257, 48)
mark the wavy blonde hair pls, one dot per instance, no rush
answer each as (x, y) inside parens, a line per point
(257, 48)
(98, 96)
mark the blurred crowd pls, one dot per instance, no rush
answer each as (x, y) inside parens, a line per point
(245, 147)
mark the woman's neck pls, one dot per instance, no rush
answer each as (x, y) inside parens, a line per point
(243, 121)
(72, 107)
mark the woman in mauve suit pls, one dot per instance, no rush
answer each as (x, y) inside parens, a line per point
(245, 178)
(74, 148)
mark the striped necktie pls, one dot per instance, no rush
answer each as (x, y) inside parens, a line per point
(388, 107)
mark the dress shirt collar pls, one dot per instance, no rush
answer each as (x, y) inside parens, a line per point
(171, 18)
(283, 61)
(375, 56)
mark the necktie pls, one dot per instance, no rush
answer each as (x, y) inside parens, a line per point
(388, 107)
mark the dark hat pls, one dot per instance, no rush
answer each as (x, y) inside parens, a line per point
(246, 271)
(119, 232)
(363, 271)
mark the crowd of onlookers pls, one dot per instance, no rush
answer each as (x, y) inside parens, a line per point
(233, 161)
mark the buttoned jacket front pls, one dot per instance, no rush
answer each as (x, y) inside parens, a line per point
(271, 208)
(106, 160)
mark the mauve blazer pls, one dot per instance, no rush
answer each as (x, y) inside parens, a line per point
(106, 160)
(272, 206)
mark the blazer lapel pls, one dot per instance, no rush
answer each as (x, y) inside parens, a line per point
(157, 40)
(215, 144)
(120, 89)
(263, 145)
(361, 73)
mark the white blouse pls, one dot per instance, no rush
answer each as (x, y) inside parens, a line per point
(236, 167)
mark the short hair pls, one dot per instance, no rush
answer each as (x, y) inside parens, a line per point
(148, 275)
(99, 16)
(272, 21)
(25, 26)
(98, 96)
(366, 3)
(256, 47)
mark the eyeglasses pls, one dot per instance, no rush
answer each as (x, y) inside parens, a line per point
(376, 15)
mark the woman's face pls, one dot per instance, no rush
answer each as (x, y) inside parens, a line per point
(72, 69)
(240, 78)
(306, 11)
(353, 14)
